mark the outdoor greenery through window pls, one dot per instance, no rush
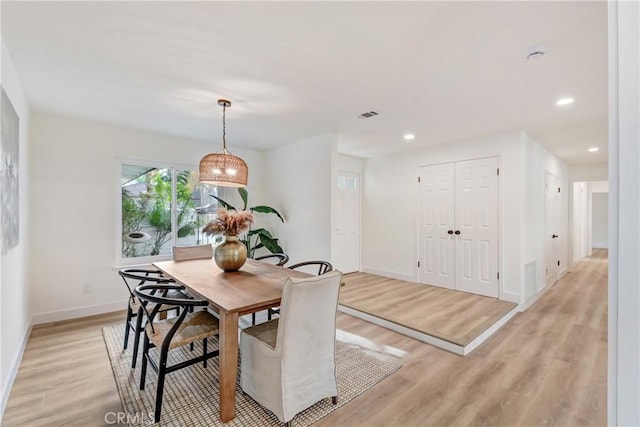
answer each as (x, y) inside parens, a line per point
(159, 208)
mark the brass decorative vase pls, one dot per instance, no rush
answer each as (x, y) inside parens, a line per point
(231, 254)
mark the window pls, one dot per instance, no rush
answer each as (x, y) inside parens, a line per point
(159, 207)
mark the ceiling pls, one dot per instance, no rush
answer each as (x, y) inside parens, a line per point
(445, 71)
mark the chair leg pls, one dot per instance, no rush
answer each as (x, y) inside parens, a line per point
(190, 346)
(268, 314)
(334, 400)
(145, 355)
(287, 424)
(161, 374)
(127, 326)
(136, 343)
(253, 319)
(204, 352)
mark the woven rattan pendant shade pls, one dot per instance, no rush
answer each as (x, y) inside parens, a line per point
(223, 168)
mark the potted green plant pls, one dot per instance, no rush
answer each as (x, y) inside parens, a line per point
(255, 239)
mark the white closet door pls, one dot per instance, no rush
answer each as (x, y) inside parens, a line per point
(552, 204)
(476, 213)
(437, 263)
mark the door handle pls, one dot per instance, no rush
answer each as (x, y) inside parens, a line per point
(457, 231)
(554, 236)
(450, 232)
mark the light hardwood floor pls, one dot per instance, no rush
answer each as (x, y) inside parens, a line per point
(453, 316)
(547, 366)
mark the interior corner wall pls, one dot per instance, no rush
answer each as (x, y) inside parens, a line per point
(537, 163)
(600, 220)
(74, 192)
(15, 310)
(298, 184)
(390, 207)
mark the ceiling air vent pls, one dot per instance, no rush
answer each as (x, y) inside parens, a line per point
(368, 114)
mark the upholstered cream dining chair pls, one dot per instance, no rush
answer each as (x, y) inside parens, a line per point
(288, 364)
(185, 253)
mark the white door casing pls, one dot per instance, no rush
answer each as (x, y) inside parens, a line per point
(347, 233)
(436, 199)
(476, 213)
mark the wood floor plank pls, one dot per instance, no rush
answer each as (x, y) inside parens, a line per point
(547, 366)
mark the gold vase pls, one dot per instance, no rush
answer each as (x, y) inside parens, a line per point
(231, 254)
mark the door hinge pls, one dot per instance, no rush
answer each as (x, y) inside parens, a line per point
(418, 180)
(418, 264)
(498, 171)
(547, 271)
(498, 275)
(558, 263)
(558, 189)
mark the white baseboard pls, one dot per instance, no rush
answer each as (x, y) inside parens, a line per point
(391, 274)
(600, 245)
(90, 310)
(511, 297)
(13, 371)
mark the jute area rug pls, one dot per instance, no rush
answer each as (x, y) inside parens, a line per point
(191, 395)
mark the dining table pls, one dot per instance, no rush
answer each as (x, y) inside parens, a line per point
(256, 286)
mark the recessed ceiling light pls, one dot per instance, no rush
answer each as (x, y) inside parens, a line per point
(409, 136)
(564, 101)
(593, 149)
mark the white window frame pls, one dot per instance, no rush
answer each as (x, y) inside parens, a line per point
(121, 261)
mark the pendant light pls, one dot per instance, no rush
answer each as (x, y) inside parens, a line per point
(223, 168)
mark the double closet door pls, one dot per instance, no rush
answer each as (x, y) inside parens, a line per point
(459, 226)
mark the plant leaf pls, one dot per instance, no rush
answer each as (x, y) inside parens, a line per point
(271, 244)
(185, 231)
(267, 210)
(244, 194)
(260, 232)
(223, 203)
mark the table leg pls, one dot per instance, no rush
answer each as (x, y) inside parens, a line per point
(228, 364)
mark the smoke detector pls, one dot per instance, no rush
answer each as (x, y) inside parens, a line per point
(368, 114)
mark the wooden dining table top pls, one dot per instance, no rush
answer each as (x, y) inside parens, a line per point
(255, 285)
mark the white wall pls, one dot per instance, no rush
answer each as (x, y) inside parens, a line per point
(74, 190)
(600, 220)
(623, 403)
(537, 161)
(14, 265)
(390, 202)
(297, 179)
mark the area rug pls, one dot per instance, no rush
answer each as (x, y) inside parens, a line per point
(191, 396)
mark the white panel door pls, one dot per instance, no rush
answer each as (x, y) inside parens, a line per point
(476, 226)
(347, 257)
(436, 199)
(552, 204)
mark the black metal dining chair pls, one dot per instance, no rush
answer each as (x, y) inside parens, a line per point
(132, 278)
(280, 260)
(169, 334)
(321, 267)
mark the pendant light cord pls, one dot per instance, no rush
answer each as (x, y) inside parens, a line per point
(224, 128)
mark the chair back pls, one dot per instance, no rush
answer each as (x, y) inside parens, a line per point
(156, 294)
(306, 334)
(185, 253)
(277, 259)
(313, 267)
(141, 276)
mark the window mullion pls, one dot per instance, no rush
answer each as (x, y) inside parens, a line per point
(174, 206)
